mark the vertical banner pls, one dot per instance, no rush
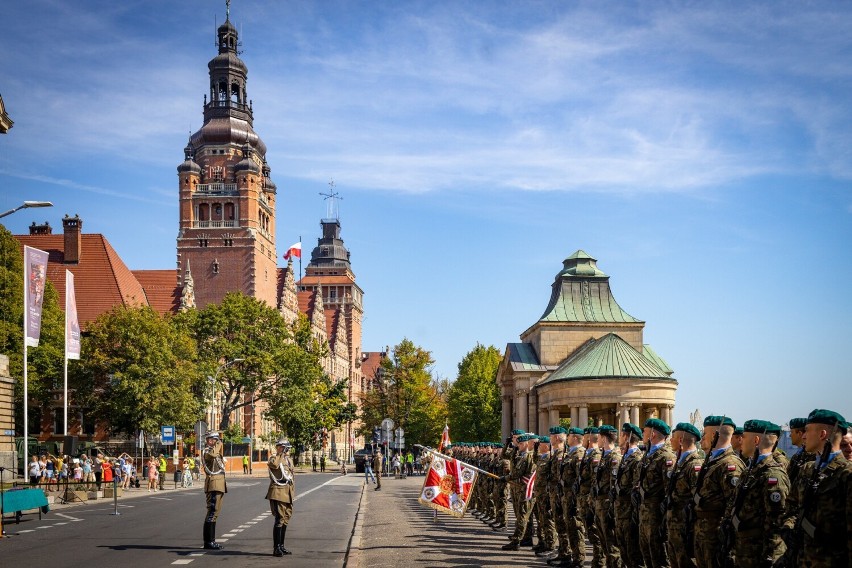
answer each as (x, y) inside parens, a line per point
(35, 280)
(72, 324)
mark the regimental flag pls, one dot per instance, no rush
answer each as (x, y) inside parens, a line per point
(530, 486)
(445, 438)
(295, 250)
(35, 280)
(448, 485)
(72, 325)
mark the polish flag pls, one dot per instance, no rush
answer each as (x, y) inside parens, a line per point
(530, 484)
(445, 438)
(294, 250)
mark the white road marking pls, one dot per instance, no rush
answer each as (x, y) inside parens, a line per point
(198, 554)
(221, 540)
(60, 524)
(25, 531)
(69, 517)
(184, 561)
(312, 490)
(244, 526)
(237, 530)
(229, 534)
(43, 527)
(162, 498)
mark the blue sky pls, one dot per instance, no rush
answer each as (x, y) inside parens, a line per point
(703, 154)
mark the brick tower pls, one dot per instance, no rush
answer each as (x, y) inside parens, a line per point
(227, 199)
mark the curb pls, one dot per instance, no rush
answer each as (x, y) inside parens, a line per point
(352, 559)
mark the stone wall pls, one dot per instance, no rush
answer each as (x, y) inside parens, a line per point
(7, 416)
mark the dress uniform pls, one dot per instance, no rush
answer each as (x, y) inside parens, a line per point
(213, 461)
(281, 493)
(602, 497)
(656, 466)
(626, 479)
(681, 488)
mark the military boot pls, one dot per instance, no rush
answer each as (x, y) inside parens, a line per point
(282, 531)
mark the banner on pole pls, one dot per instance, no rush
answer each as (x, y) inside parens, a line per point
(448, 486)
(72, 324)
(35, 280)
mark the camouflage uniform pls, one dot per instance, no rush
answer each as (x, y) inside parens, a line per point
(554, 494)
(586, 505)
(762, 513)
(500, 466)
(570, 508)
(605, 476)
(626, 530)
(713, 502)
(546, 529)
(797, 463)
(522, 468)
(685, 474)
(652, 488)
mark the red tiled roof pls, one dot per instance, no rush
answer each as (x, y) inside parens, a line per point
(306, 301)
(101, 279)
(370, 362)
(160, 288)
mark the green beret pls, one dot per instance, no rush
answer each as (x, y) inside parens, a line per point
(609, 431)
(517, 432)
(544, 439)
(592, 430)
(829, 417)
(774, 429)
(738, 431)
(629, 428)
(576, 431)
(688, 428)
(658, 425)
(719, 421)
(798, 423)
(558, 430)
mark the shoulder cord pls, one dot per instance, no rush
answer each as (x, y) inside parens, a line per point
(285, 479)
(219, 463)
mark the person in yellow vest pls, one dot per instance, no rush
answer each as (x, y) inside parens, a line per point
(281, 493)
(162, 469)
(213, 462)
(245, 464)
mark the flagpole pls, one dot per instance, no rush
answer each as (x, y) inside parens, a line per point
(446, 457)
(300, 257)
(26, 405)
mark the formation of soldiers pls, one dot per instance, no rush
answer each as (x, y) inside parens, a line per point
(656, 498)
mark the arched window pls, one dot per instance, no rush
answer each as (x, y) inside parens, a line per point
(223, 91)
(229, 211)
(235, 93)
(203, 212)
(217, 212)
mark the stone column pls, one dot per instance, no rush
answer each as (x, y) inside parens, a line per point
(543, 421)
(575, 415)
(522, 400)
(583, 420)
(507, 417)
(634, 414)
(649, 413)
(623, 414)
(532, 411)
(668, 412)
(553, 418)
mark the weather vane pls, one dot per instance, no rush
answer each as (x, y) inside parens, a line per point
(227, 9)
(331, 199)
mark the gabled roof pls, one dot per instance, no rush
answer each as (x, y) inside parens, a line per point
(101, 279)
(522, 357)
(160, 288)
(609, 357)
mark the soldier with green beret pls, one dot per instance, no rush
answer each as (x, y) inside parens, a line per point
(681, 486)
(626, 479)
(522, 468)
(604, 483)
(759, 509)
(545, 526)
(822, 506)
(570, 485)
(558, 437)
(585, 503)
(716, 495)
(656, 466)
(737, 442)
(797, 432)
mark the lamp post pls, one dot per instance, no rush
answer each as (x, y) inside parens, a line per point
(27, 205)
(213, 379)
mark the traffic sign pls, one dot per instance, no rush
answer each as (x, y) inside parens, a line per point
(167, 433)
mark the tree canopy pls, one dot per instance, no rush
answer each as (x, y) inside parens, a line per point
(473, 400)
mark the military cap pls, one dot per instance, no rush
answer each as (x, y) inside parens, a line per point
(658, 425)
(529, 437)
(210, 434)
(760, 427)
(592, 430)
(629, 428)
(544, 439)
(609, 431)
(518, 432)
(575, 430)
(798, 423)
(558, 430)
(738, 431)
(284, 442)
(688, 428)
(719, 421)
(829, 417)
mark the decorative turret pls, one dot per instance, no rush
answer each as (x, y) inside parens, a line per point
(247, 163)
(189, 165)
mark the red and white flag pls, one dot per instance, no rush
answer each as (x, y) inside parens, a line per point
(294, 250)
(530, 485)
(445, 438)
(448, 485)
(72, 325)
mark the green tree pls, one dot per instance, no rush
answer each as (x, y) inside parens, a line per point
(44, 371)
(137, 371)
(406, 392)
(473, 400)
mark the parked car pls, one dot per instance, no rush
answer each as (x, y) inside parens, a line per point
(360, 457)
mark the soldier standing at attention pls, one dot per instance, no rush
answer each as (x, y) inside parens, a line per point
(570, 485)
(714, 499)
(377, 469)
(522, 469)
(502, 466)
(602, 494)
(652, 489)
(760, 505)
(585, 502)
(558, 435)
(627, 477)
(543, 513)
(681, 488)
(798, 461)
(213, 461)
(737, 443)
(281, 493)
(823, 503)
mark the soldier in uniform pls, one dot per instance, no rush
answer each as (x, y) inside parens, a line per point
(797, 462)
(602, 494)
(626, 478)
(501, 466)
(545, 526)
(760, 506)
(716, 495)
(656, 466)
(213, 461)
(569, 478)
(585, 502)
(737, 443)
(558, 435)
(823, 503)
(377, 469)
(281, 494)
(522, 468)
(681, 487)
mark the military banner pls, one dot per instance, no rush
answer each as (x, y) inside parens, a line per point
(72, 325)
(35, 280)
(448, 485)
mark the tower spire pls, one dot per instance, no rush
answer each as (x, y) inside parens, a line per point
(331, 208)
(227, 10)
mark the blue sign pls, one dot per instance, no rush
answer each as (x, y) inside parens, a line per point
(167, 433)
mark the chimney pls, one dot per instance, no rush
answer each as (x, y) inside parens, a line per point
(45, 229)
(73, 228)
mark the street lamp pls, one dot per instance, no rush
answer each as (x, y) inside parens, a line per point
(212, 380)
(27, 205)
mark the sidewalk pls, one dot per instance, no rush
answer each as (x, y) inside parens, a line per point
(393, 529)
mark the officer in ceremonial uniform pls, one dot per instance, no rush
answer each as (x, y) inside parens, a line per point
(585, 501)
(681, 486)
(626, 479)
(213, 462)
(522, 468)
(281, 493)
(656, 466)
(570, 484)
(716, 495)
(602, 494)
(760, 505)
(823, 503)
